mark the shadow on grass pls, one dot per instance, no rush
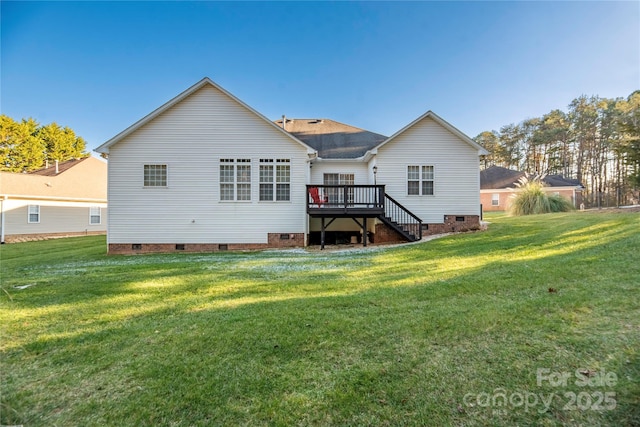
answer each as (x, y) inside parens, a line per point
(396, 336)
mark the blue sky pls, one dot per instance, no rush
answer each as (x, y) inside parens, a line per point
(98, 67)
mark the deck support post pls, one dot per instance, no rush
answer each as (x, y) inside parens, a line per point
(322, 233)
(364, 231)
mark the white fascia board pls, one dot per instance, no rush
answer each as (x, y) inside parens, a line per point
(50, 198)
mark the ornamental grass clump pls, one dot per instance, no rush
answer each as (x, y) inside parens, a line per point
(531, 199)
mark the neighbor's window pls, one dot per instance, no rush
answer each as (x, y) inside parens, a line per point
(155, 175)
(235, 179)
(495, 199)
(34, 214)
(420, 180)
(95, 215)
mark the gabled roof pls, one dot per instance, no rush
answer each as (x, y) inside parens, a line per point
(560, 181)
(430, 114)
(104, 148)
(496, 177)
(51, 170)
(332, 140)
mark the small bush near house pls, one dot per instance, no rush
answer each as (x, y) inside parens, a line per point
(532, 200)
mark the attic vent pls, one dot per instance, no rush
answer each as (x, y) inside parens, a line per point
(316, 121)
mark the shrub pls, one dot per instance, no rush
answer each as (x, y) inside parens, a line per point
(531, 199)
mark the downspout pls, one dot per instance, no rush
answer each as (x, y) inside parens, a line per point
(2, 220)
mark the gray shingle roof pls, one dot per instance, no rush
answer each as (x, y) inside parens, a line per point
(495, 177)
(332, 140)
(62, 166)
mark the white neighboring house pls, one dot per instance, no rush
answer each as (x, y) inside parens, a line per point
(206, 172)
(66, 199)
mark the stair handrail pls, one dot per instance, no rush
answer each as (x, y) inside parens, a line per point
(406, 213)
(402, 207)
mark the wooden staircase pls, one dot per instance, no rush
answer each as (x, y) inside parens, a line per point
(361, 202)
(401, 219)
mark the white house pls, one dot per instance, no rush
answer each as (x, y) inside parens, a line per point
(64, 199)
(206, 172)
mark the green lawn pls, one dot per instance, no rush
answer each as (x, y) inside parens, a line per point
(471, 329)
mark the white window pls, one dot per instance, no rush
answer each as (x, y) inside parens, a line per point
(95, 217)
(34, 214)
(275, 180)
(420, 180)
(336, 195)
(495, 199)
(235, 179)
(155, 175)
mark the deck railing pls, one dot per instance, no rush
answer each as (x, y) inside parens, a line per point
(345, 197)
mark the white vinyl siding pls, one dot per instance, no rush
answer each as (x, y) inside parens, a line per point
(33, 216)
(192, 137)
(95, 217)
(456, 175)
(357, 169)
(54, 217)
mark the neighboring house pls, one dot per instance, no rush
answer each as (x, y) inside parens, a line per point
(206, 172)
(68, 198)
(498, 187)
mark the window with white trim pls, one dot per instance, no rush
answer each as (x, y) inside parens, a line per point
(34, 214)
(495, 199)
(275, 180)
(235, 179)
(420, 180)
(155, 175)
(336, 195)
(95, 215)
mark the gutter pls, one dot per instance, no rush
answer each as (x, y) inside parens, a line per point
(57, 199)
(2, 220)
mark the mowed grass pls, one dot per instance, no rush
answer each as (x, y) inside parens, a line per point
(453, 331)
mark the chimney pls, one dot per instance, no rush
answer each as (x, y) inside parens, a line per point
(284, 122)
(57, 170)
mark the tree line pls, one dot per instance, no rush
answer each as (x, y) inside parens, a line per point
(27, 145)
(597, 141)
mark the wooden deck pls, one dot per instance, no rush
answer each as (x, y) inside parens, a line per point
(360, 202)
(345, 201)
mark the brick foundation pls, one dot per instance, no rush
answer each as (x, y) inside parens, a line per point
(452, 224)
(275, 240)
(19, 238)
(386, 234)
